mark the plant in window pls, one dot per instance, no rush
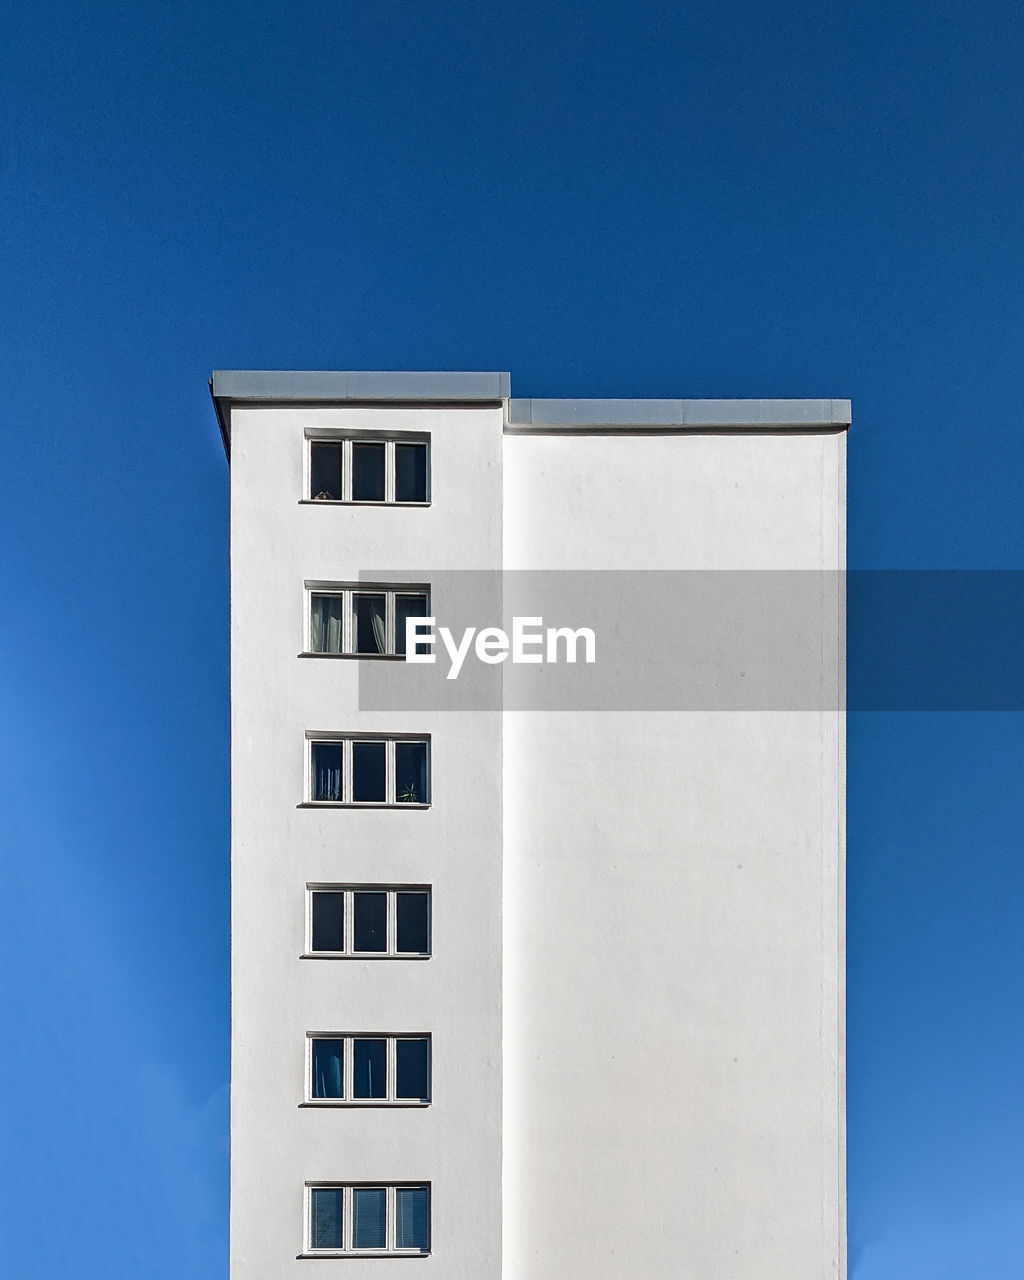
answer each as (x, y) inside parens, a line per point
(407, 795)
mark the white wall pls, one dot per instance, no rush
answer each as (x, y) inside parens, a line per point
(657, 898)
(673, 913)
(455, 846)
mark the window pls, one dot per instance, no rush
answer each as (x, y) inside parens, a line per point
(368, 1218)
(368, 1069)
(369, 770)
(368, 921)
(369, 470)
(363, 620)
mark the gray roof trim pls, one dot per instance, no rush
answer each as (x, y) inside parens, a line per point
(313, 386)
(677, 415)
(308, 386)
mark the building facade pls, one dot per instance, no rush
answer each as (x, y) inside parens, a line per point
(530, 984)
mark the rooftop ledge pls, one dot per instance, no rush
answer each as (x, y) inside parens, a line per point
(258, 386)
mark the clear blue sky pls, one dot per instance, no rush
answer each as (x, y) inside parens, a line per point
(704, 199)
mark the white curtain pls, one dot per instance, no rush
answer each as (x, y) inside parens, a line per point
(379, 633)
(326, 624)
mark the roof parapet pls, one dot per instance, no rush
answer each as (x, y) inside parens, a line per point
(312, 386)
(678, 415)
(302, 386)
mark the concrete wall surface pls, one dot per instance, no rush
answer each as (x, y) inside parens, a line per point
(673, 898)
(636, 987)
(278, 847)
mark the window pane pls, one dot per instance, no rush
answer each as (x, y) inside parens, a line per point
(368, 771)
(329, 921)
(413, 1218)
(412, 923)
(369, 1218)
(412, 1069)
(328, 1068)
(410, 473)
(327, 771)
(371, 921)
(409, 607)
(327, 1219)
(370, 1068)
(411, 772)
(325, 624)
(369, 623)
(325, 471)
(368, 473)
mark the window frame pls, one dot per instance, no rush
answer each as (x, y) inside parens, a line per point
(347, 591)
(345, 439)
(348, 921)
(390, 1249)
(345, 740)
(391, 1098)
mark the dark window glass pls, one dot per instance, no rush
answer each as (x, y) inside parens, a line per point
(412, 923)
(369, 1221)
(410, 473)
(327, 771)
(371, 921)
(369, 1068)
(370, 612)
(412, 1069)
(411, 773)
(325, 471)
(368, 473)
(412, 1226)
(328, 1068)
(329, 921)
(368, 771)
(327, 1218)
(409, 607)
(325, 624)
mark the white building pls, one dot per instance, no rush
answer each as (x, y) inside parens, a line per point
(520, 992)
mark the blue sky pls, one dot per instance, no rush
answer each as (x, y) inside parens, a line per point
(709, 199)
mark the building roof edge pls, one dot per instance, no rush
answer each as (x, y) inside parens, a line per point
(679, 415)
(568, 416)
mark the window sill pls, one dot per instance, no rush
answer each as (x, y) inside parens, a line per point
(361, 1103)
(351, 1253)
(357, 804)
(356, 502)
(373, 657)
(362, 955)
